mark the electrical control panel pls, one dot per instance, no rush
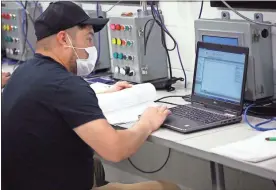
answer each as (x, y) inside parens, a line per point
(132, 59)
(13, 27)
(101, 42)
(258, 38)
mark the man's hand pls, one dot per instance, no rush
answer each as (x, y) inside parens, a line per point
(119, 86)
(5, 78)
(153, 117)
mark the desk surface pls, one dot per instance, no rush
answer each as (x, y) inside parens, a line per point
(200, 143)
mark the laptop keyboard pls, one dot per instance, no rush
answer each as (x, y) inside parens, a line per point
(197, 115)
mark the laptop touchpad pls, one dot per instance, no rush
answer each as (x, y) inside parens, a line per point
(176, 121)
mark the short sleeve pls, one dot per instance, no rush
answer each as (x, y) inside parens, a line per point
(76, 102)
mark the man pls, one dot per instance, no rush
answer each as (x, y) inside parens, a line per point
(5, 77)
(52, 123)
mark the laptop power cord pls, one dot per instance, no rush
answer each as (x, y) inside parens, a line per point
(154, 171)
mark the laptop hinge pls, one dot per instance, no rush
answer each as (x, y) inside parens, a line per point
(222, 109)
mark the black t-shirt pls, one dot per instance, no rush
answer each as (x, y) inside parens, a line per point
(41, 105)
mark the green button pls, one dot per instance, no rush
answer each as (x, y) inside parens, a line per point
(126, 27)
(115, 55)
(120, 56)
(129, 43)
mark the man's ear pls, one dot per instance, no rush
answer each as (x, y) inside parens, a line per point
(62, 38)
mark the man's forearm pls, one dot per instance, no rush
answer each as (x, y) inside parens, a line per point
(131, 139)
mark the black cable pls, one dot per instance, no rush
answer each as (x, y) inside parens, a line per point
(146, 37)
(168, 103)
(36, 2)
(201, 8)
(274, 182)
(173, 96)
(26, 31)
(154, 171)
(160, 23)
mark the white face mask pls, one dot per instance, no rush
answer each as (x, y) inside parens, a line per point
(85, 66)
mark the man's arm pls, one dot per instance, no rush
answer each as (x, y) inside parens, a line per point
(116, 145)
(116, 87)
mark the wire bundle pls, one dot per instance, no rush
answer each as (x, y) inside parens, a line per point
(159, 21)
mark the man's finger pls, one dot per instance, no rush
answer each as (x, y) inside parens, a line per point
(162, 109)
(124, 84)
(167, 112)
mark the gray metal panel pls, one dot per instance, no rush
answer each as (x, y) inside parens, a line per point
(147, 67)
(260, 68)
(104, 59)
(14, 8)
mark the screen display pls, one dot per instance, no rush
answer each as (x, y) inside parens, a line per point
(220, 40)
(219, 75)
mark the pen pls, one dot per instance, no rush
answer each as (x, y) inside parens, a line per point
(270, 138)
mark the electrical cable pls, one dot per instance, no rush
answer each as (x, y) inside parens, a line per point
(36, 5)
(274, 182)
(113, 6)
(154, 171)
(201, 8)
(163, 40)
(257, 126)
(25, 23)
(172, 96)
(99, 34)
(146, 37)
(162, 25)
(36, 2)
(246, 18)
(165, 102)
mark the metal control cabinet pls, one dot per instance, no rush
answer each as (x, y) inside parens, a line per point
(258, 38)
(101, 42)
(13, 37)
(127, 50)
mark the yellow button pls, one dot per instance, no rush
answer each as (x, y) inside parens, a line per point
(113, 40)
(119, 42)
(4, 27)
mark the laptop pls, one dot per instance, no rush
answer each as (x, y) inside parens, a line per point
(218, 89)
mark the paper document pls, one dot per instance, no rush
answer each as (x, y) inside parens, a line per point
(254, 149)
(126, 105)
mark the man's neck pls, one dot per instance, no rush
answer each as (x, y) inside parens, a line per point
(53, 56)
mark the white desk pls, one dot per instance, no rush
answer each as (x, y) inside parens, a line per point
(199, 144)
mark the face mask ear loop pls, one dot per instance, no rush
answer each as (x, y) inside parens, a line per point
(72, 45)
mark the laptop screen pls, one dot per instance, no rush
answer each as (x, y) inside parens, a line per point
(219, 75)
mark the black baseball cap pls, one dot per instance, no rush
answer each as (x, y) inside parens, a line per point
(62, 15)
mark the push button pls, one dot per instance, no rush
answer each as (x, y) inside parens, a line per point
(115, 55)
(129, 43)
(114, 41)
(112, 27)
(123, 42)
(120, 56)
(119, 42)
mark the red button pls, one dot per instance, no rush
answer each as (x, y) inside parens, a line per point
(118, 27)
(112, 26)
(122, 27)
(3, 15)
(123, 42)
(8, 16)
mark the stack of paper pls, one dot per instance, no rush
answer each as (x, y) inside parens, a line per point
(254, 149)
(126, 105)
